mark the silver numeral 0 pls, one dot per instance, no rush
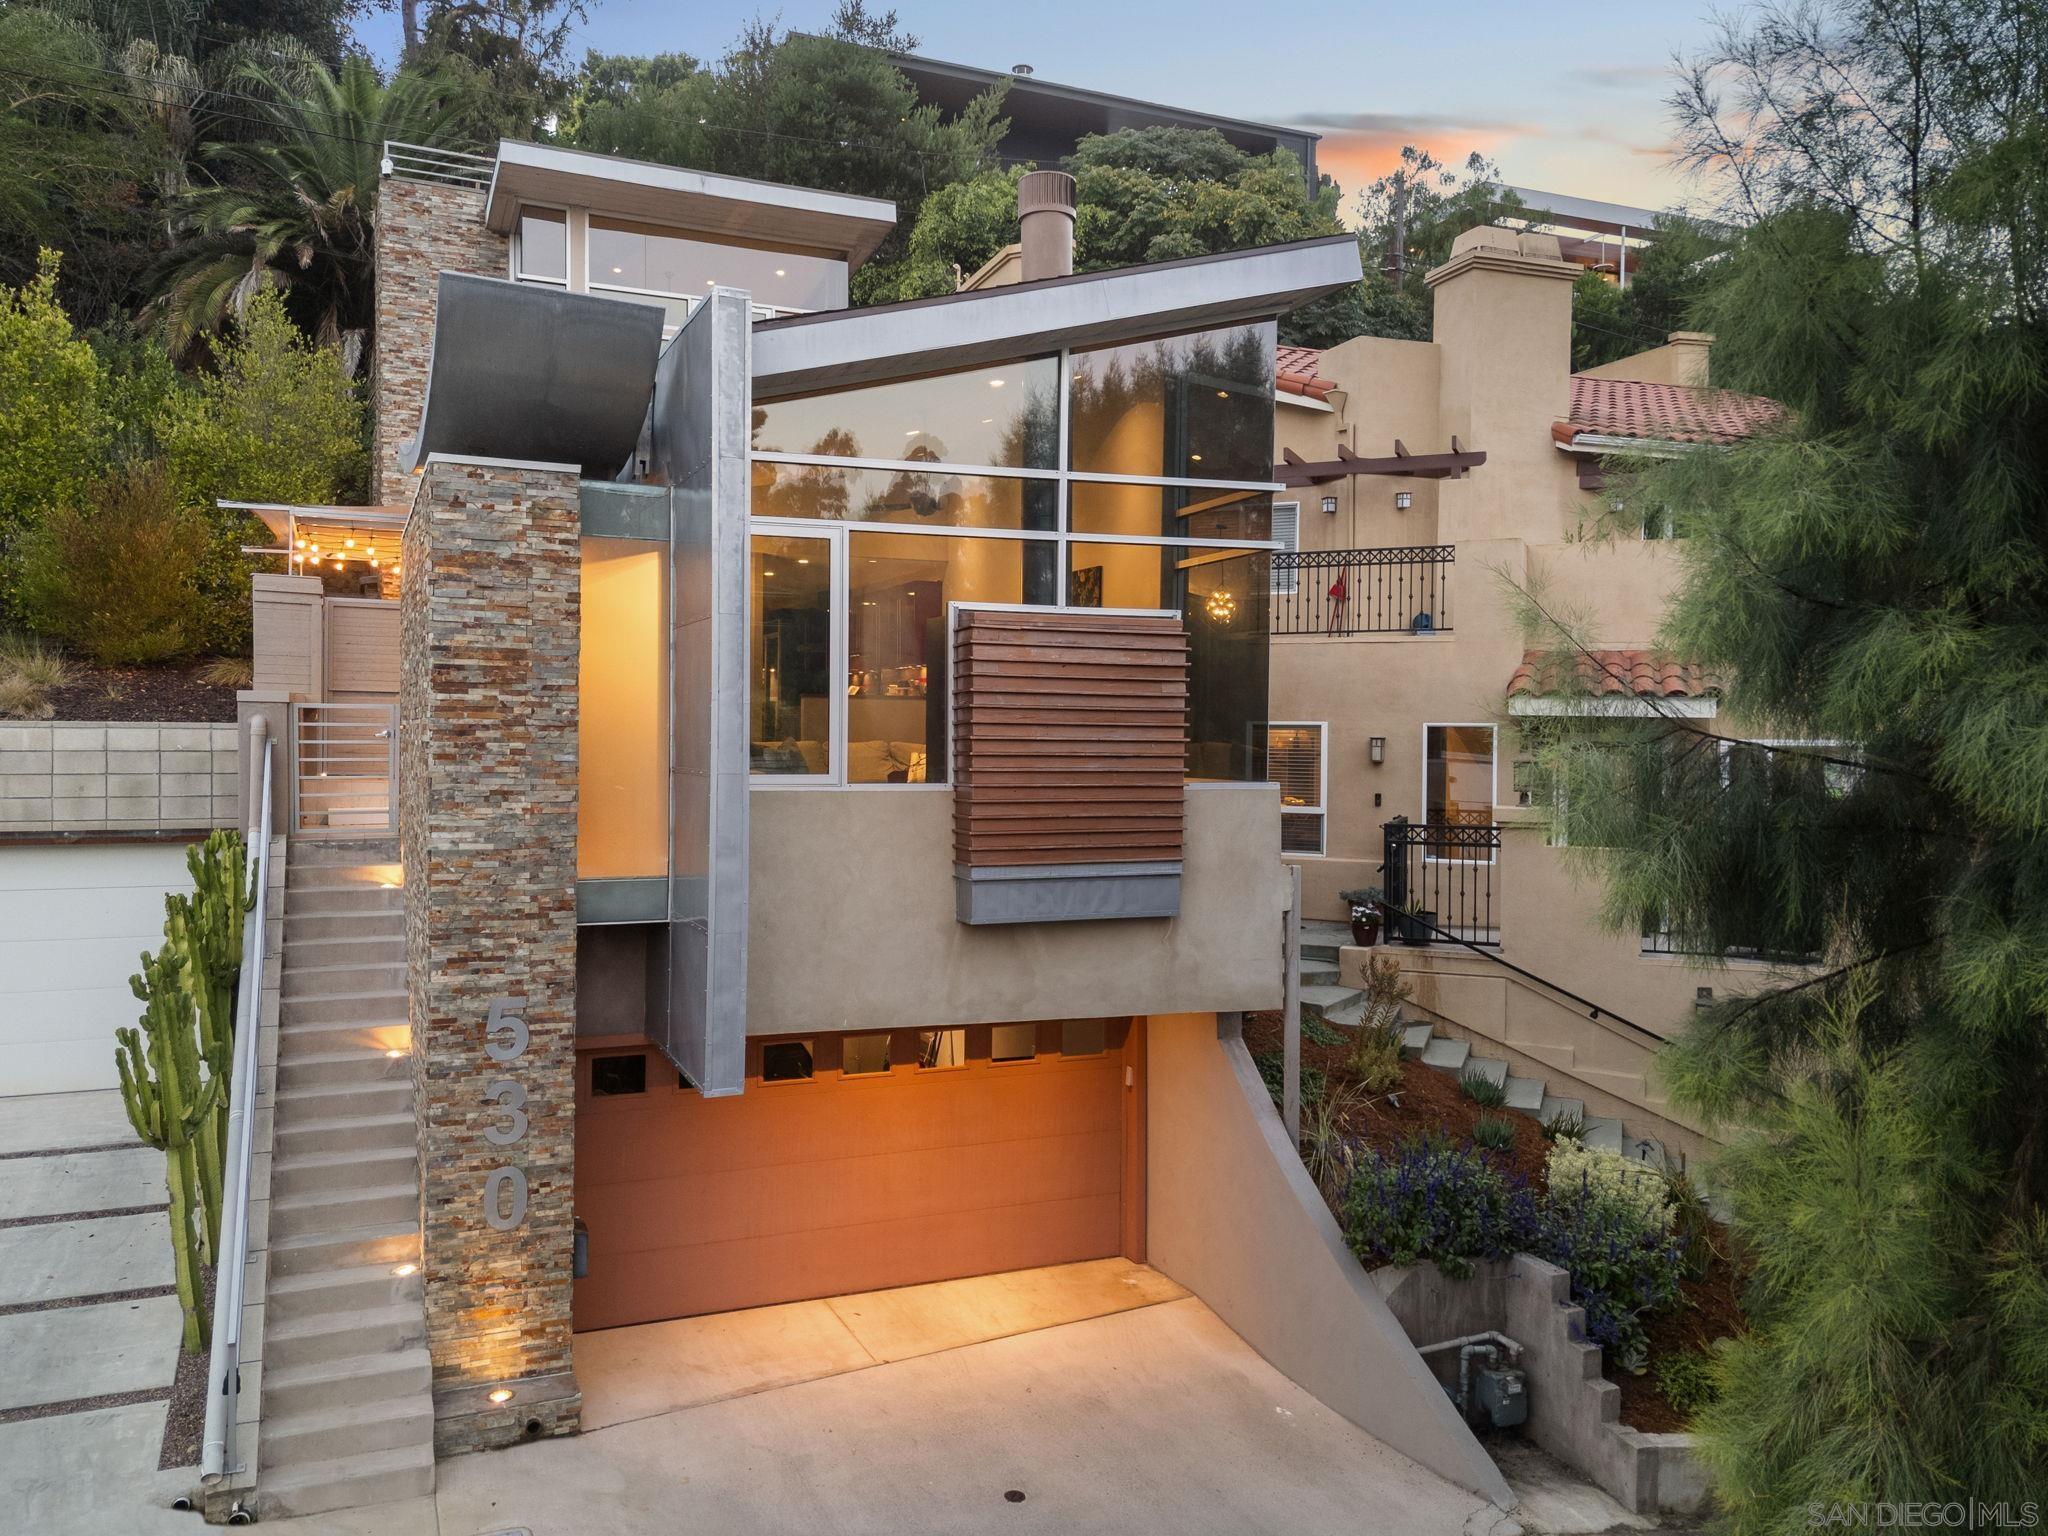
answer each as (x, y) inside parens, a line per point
(501, 1218)
(505, 1040)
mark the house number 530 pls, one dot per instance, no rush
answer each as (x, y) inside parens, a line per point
(505, 1042)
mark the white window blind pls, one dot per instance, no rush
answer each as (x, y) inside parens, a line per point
(1287, 533)
(1295, 762)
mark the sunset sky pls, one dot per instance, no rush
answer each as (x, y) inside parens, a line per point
(1567, 97)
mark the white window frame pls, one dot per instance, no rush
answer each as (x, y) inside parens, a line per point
(1492, 728)
(517, 244)
(1321, 809)
(1286, 583)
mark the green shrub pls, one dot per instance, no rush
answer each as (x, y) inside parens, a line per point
(115, 577)
(1325, 1149)
(1271, 1065)
(1622, 1269)
(1634, 1189)
(1564, 1126)
(1689, 1381)
(1483, 1091)
(1496, 1133)
(1376, 1057)
(1316, 1032)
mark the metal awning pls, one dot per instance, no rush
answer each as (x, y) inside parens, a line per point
(530, 374)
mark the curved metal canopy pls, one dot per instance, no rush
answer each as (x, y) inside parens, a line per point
(523, 372)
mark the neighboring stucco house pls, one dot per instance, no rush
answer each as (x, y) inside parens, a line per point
(834, 842)
(1429, 483)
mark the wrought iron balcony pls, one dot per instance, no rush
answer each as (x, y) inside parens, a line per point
(1402, 589)
(1438, 878)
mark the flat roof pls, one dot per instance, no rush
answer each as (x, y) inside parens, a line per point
(960, 330)
(737, 207)
(1590, 213)
(920, 68)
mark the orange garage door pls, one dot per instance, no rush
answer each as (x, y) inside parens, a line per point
(854, 1162)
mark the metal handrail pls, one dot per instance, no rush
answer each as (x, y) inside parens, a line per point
(423, 162)
(231, 1263)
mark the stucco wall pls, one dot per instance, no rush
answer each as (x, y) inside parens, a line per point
(851, 921)
(1233, 1216)
(1384, 390)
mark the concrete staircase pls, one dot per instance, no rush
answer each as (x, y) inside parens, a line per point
(1322, 997)
(348, 1411)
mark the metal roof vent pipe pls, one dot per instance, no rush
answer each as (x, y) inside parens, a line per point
(1045, 216)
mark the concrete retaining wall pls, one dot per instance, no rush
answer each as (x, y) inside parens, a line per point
(98, 777)
(1233, 1216)
(1574, 1413)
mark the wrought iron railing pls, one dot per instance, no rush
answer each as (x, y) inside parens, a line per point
(1438, 879)
(1403, 589)
(451, 167)
(1658, 939)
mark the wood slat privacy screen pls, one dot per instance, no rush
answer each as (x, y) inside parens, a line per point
(1069, 737)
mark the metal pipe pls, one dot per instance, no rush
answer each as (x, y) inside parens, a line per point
(232, 1262)
(1290, 1016)
(1490, 1343)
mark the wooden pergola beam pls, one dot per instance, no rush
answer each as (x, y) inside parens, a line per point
(1294, 470)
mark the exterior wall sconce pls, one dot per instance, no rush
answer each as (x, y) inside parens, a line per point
(1376, 749)
(1403, 500)
(1329, 504)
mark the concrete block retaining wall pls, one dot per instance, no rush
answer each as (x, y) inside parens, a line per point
(1574, 1413)
(63, 776)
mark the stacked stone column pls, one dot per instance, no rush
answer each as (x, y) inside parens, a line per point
(487, 828)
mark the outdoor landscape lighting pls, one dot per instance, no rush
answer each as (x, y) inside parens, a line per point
(502, 1395)
(1403, 500)
(1376, 748)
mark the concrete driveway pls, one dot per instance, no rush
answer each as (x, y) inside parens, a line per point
(1158, 1419)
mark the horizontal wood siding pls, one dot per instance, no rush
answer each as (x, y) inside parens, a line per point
(362, 647)
(1069, 737)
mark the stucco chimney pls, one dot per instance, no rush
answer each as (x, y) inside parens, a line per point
(1690, 351)
(1045, 215)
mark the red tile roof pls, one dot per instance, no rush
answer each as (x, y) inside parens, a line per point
(1645, 674)
(1674, 413)
(1294, 372)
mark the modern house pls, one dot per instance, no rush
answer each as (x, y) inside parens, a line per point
(834, 845)
(1048, 120)
(1432, 488)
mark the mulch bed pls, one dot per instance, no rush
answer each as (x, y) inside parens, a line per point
(1431, 1100)
(185, 1421)
(142, 693)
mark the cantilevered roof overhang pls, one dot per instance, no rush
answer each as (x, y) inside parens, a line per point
(960, 330)
(536, 375)
(724, 207)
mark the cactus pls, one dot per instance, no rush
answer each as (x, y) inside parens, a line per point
(169, 1105)
(205, 931)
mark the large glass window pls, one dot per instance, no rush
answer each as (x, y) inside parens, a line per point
(622, 725)
(1169, 511)
(648, 259)
(900, 591)
(1005, 417)
(1223, 599)
(1198, 406)
(1458, 775)
(789, 656)
(958, 494)
(934, 498)
(542, 252)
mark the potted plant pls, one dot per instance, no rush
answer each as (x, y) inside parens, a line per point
(1418, 924)
(1365, 914)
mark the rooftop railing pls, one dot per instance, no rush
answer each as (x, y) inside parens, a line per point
(1403, 589)
(450, 167)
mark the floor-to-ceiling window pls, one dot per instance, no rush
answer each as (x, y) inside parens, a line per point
(1134, 476)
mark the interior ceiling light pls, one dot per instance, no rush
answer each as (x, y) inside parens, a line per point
(780, 273)
(1222, 394)
(995, 383)
(1195, 458)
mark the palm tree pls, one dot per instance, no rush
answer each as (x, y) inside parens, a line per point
(294, 208)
